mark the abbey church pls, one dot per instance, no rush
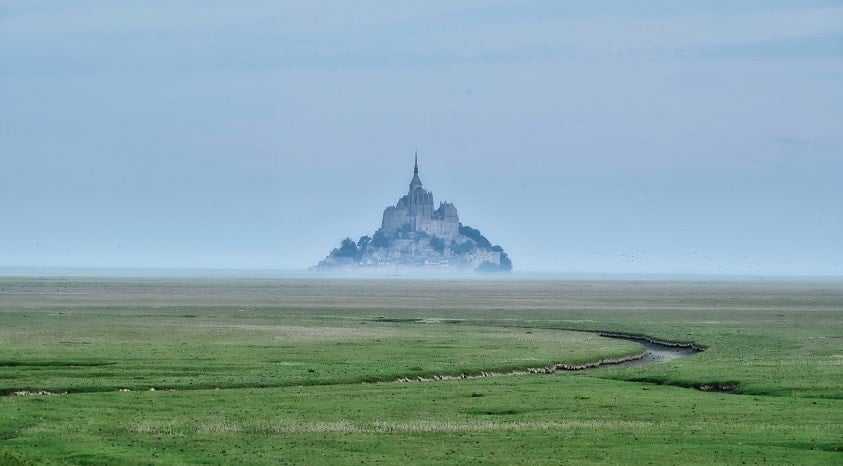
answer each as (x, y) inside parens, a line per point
(414, 236)
(416, 210)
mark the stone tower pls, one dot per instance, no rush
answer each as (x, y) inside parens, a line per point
(419, 202)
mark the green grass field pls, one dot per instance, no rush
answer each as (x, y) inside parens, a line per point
(155, 371)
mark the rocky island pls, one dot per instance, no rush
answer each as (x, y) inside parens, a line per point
(416, 237)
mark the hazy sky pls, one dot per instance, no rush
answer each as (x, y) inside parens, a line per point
(607, 136)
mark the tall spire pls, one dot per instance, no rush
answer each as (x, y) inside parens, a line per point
(416, 182)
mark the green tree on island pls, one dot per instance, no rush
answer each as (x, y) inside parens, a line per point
(348, 248)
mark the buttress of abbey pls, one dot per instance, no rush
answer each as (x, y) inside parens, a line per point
(416, 210)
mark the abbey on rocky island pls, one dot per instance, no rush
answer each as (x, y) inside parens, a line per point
(414, 236)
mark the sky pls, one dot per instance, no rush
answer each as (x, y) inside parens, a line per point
(693, 137)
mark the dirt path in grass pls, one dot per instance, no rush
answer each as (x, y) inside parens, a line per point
(655, 352)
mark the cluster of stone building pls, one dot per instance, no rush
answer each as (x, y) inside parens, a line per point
(416, 210)
(414, 235)
(413, 253)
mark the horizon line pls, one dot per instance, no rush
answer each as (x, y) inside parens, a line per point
(244, 272)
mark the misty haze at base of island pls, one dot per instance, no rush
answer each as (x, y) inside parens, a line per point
(415, 237)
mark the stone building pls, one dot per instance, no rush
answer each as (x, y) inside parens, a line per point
(414, 212)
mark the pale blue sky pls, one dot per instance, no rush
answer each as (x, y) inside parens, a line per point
(614, 136)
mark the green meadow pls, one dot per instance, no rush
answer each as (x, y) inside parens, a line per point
(224, 371)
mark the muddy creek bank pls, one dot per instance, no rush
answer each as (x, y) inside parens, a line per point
(656, 351)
